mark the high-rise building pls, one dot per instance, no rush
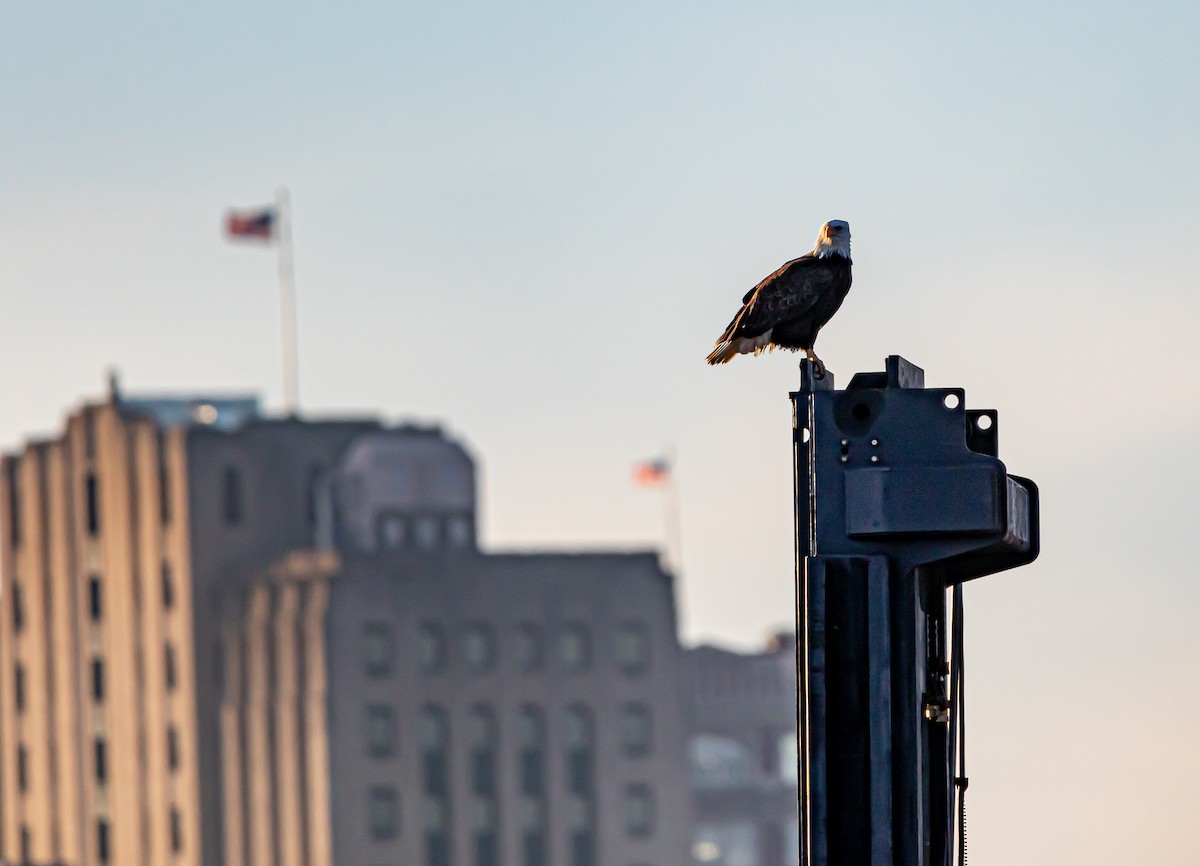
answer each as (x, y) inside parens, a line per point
(742, 747)
(228, 640)
(117, 536)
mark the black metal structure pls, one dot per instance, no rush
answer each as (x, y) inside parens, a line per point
(900, 495)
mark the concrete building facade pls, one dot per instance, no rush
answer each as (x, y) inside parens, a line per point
(742, 749)
(228, 641)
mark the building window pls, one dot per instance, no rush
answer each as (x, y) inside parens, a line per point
(487, 848)
(95, 598)
(312, 495)
(26, 844)
(633, 648)
(89, 433)
(100, 759)
(18, 608)
(788, 752)
(437, 848)
(14, 505)
(22, 769)
(383, 811)
(377, 649)
(639, 810)
(579, 734)
(528, 648)
(583, 848)
(575, 647)
(482, 735)
(231, 496)
(97, 680)
(393, 532)
(168, 586)
(728, 842)
(479, 647)
(19, 686)
(172, 748)
(435, 746)
(426, 532)
(458, 531)
(92, 504)
(636, 730)
(720, 762)
(176, 831)
(102, 851)
(164, 482)
(381, 731)
(534, 845)
(531, 739)
(431, 648)
(169, 667)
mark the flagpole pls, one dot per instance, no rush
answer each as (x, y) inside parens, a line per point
(287, 304)
(671, 522)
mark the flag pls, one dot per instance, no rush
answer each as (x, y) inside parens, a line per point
(651, 473)
(256, 225)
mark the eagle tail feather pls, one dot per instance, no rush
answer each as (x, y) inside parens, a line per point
(723, 352)
(727, 347)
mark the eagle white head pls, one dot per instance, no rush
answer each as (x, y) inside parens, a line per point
(834, 239)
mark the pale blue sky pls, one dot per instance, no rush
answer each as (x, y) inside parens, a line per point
(530, 221)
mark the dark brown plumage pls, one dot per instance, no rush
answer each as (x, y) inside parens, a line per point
(789, 307)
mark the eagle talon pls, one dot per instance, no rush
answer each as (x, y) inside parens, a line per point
(816, 363)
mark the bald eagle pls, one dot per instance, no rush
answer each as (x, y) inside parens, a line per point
(788, 308)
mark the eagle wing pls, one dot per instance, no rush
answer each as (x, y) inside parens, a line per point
(786, 294)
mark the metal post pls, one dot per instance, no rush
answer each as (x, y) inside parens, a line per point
(899, 495)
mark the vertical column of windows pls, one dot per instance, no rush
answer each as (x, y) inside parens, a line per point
(167, 599)
(531, 769)
(95, 616)
(435, 770)
(580, 805)
(483, 743)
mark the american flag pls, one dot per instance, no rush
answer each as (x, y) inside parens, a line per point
(650, 473)
(257, 225)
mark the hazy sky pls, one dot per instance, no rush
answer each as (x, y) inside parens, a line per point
(529, 221)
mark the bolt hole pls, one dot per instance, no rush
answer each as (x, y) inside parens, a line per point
(984, 422)
(861, 411)
(951, 401)
(805, 435)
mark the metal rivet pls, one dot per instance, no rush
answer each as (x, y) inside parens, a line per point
(845, 441)
(874, 441)
(845, 459)
(874, 458)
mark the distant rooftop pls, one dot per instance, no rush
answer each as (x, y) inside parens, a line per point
(223, 413)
